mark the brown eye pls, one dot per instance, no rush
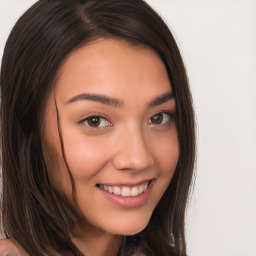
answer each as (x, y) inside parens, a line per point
(160, 118)
(96, 122)
(157, 119)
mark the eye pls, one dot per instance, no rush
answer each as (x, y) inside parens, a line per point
(96, 122)
(161, 118)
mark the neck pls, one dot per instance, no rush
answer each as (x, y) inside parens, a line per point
(94, 242)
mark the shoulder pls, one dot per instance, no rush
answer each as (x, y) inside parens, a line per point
(8, 248)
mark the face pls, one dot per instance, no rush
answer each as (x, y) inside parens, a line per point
(116, 115)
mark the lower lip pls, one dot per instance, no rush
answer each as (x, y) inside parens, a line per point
(130, 202)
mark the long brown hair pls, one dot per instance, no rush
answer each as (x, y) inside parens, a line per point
(33, 214)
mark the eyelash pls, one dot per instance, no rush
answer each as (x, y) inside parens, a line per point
(165, 115)
(90, 118)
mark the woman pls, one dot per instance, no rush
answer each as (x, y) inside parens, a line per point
(98, 141)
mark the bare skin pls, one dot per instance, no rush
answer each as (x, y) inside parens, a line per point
(10, 248)
(116, 114)
(116, 132)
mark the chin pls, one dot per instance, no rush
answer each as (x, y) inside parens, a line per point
(133, 231)
(130, 228)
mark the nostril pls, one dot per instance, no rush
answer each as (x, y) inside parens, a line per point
(132, 151)
(133, 161)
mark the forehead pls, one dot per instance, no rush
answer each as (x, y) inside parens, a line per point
(113, 67)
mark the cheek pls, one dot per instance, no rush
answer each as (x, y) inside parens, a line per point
(56, 167)
(166, 151)
(85, 156)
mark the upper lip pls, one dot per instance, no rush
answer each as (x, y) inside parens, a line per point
(126, 184)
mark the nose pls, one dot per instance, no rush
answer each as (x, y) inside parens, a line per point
(133, 152)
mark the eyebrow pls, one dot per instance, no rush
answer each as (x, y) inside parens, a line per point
(161, 99)
(98, 98)
(114, 102)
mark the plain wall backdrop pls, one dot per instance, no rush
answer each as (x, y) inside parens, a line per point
(218, 43)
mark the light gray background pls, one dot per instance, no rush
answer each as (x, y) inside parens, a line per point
(217, 39)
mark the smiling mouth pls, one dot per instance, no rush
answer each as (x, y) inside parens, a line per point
(125, 191)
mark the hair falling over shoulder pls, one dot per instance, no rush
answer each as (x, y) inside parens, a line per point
(33, 213)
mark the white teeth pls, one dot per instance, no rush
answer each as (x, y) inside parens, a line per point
(125, 191)
(134, 191)
(140, 189)
(145, 187)
(117, 190)
(110, 189)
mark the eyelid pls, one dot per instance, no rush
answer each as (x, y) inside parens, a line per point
(171, 115)
(92, 114)
(82, 122)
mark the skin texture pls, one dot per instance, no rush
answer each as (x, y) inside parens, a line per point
(10, 248)
(126, 148)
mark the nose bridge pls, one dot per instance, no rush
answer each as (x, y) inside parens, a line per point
(133, 150)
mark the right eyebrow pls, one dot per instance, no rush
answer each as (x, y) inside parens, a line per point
(98, 98)
(161, 99)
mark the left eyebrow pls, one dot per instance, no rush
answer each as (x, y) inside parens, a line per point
(98, 98)
(161, 99)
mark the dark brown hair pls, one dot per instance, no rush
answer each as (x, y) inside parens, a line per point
(32, 212)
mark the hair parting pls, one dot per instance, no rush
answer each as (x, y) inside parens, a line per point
(33, 213)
